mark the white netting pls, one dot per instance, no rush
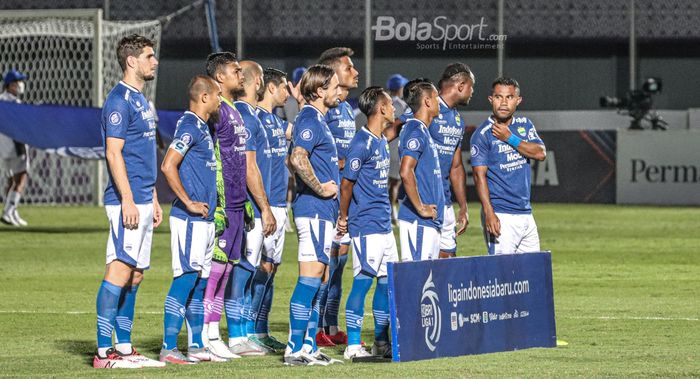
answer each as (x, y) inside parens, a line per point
(57, 49)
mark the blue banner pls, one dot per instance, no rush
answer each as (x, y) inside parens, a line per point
(66, 130)
(471, 305)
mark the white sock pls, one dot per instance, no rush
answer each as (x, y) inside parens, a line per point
(102, 351)
(333, 330)
(213, 331)
(14, 197)
(124, 348)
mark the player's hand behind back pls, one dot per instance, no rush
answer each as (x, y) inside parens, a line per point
(199, 208)
(428, 211)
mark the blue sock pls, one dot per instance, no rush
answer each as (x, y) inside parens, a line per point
(260, 286)
(234, 301)
(335, 292)
(262, 326)
(257, 291)
(380, 310)
(175, 301)
(323, 303)
(312, 327)
(107, 304)
(355, 307)
(300, 310)
(125, 314)
(195, 314)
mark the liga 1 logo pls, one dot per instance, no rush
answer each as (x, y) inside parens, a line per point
(430, 313)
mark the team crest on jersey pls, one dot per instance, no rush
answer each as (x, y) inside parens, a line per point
(355, 164)
(521, 131)
(186, 138)
(457, 118)
(115, 118)
(440, 116)
(306, 134)
(474, 150)
(413, 144)
(337, 111)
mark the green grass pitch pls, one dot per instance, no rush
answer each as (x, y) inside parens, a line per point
(626, 281)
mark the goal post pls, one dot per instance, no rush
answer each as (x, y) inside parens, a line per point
(70, 57)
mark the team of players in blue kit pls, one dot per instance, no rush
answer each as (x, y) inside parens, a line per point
(341, 202)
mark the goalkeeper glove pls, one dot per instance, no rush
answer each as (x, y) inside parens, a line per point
(249, 216)
(220, 221)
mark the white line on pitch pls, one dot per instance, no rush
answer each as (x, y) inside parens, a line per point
(639, 318)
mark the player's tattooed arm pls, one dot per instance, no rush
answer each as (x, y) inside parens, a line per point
(302, 167)
(493, 224)
(410, 184)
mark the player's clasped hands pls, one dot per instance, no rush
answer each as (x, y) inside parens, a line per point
(428, 211)
(199, 208)
(329, 189)
(342, 225)
(130, 215)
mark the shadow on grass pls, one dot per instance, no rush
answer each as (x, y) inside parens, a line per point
(54, 230)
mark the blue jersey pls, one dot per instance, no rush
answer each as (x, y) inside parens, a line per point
(368, 166)
(275, 128)
(447, 130)
(198, 167)
(415, 142)
(311, 134)
(508, 175)
(341, 122)
(256, 140)
(127, 115)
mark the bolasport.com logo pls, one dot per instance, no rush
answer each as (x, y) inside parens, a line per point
(430, 313)
(440, 33)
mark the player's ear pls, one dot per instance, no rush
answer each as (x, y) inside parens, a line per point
(520, 99)
(491, 99)
(131, 61)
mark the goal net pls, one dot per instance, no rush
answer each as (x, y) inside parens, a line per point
(70, 57)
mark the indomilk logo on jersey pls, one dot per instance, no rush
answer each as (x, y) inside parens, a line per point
(430, 313)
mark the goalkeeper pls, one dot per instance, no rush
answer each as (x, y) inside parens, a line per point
(233, 211)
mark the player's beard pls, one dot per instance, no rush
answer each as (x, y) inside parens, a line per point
(237, 93)
(333, 103)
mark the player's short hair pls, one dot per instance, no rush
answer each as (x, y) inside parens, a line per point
(370, 99)
(455, 72)
(416, 94)
(506, 81)
(271, 75)
(217, 61)
(407, 87)
(200, 84)
(331, 56)
(317, 76)
(131, 46)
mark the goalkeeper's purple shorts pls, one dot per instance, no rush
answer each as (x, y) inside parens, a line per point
(232, 241)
